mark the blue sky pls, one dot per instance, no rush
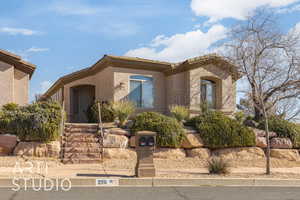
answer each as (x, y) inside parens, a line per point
(62, 36)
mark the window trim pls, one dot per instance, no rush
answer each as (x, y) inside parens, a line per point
(142, 81)
(214, 92)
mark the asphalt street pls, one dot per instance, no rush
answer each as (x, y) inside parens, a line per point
(157, 193)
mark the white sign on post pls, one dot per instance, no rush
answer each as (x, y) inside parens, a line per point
(107, 182)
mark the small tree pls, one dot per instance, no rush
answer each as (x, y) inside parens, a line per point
(270, 60)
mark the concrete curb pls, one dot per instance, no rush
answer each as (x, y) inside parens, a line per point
(164, 182)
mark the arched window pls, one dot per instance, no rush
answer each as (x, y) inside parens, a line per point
(208, 93)
(141, 91)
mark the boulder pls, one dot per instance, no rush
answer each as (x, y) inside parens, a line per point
(192, 140)
(38, 149)
(261, 142)
(132, 141)
(262, 133)
(202, 153)
(119, 131)
(287, 154)
(117, 153)
(169, 153)
(7, 144)
(115, 141)
(243, 153)
(250, 123)
(281, 143)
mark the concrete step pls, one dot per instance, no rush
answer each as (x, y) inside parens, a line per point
(79, 137)
(82, 144)
(81, 155)
(81, 130)
(81, 161)
(82, 150)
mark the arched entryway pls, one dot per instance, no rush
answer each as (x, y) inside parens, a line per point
(81, 97)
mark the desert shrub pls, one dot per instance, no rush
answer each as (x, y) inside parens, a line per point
(284, 129)
(240, 117)
(170, 133)
(180, 113)
(220, 131)
(217, 165)
(10, 107)
(123, 110)
(107, 112)
(36, 122)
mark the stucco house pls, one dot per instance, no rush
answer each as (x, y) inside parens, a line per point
(152, 85)
(15, 75)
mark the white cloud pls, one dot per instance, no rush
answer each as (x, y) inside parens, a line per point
(35, 49)
(18, 31)
(181, 46)
(45, 85)
(238, 9)
(289, 10)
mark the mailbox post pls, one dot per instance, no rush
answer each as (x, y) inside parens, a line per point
(145, 144)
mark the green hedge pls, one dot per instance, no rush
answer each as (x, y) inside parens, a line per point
(36, 122)
(284, 129)
(220, 131)
(107, 113)
(169, 131)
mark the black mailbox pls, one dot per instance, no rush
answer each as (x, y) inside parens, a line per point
(146, 141)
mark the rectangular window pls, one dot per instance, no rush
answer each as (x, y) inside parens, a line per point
(141, 91)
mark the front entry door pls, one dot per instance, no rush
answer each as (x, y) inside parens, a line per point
(83, 97)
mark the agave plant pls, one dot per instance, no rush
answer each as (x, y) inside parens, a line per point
(123, 110)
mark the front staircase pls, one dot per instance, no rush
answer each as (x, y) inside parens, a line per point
(80, 144)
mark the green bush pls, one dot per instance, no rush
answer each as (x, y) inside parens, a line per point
(284, 129)
(170, 133)
(217, 165)
(36, 122)
(180, 113)
(123, 109)
(107, 113)
(10, 107)
(220, 131)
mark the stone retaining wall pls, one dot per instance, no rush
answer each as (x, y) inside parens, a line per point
(118, 144)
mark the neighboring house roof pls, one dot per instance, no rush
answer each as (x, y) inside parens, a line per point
(17, 62)
(145, 64)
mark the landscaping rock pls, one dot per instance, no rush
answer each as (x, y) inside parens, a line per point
(287, 154)
(281, 143)
(262, 133)
(7, 144)
(250, 123)
(202, 153)
(192, 141)
(119, 131)
(117, 153)
(115, 141)
(261, 142)
(169, 153)
(132, 141)
(38, 149)
(244, 153)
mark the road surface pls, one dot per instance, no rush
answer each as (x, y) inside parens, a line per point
(157, 193)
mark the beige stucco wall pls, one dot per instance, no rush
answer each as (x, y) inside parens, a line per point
(103, 82)
(177, 89)
(21, 87)
(225, 88)
(182, 88)
(122, 75)
(6, 83)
